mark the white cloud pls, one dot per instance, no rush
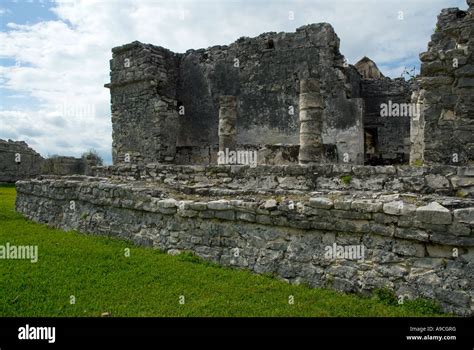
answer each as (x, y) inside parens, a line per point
(64, 62)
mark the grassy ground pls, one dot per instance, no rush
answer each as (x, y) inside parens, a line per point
(96, 272)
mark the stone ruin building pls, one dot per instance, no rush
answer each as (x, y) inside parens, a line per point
(289, 96)
(18, 161)
(333, 171)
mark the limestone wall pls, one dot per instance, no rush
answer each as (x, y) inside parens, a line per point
(144, 107)
(447, 90)
(18, 161)
(219, 180)
(391, 133)
(418, 247)
(266, 154)
(264, 73)
(161, 100)
(61, 165)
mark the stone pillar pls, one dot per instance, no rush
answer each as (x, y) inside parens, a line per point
(417, 130)
(227, 122)
(311, 122)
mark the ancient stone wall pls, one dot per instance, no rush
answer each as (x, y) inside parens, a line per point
(144, 107)
(264, 73)
(18, 161)
(152, 88)
(447, 90)
(61, 165)
(390, 133)
(368, 69)
(223, 180)
(266, 154)
(418, 247)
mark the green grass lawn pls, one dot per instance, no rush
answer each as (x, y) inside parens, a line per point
(102, 279)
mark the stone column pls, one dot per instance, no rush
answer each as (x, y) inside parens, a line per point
(311, 113)
(227, 122)
(417, 130)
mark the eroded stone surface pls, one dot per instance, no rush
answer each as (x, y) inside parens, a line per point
(434, 213)
(289, 237)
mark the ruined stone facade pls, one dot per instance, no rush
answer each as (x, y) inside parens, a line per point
(444, 131)
(60, 165)
(387, 138)
(164, 104)
(368, 69)
(18, 161)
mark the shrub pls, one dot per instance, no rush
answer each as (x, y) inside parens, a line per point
(346, 179)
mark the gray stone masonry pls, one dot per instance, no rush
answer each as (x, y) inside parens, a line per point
(227, 123)
(444, 132)
(18, 161)
(444, 180)
(163, 102)
(415, 245)
(311, 121)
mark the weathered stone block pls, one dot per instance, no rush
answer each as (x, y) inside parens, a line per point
(342, 204)
(321, 202)
(198, 206)
(462, 181)
(465, 215)
(263, 219)
(249, 217)
(366, 205)
(167, 203)
(394, 208)
(437, 181)
(384, 230)
(434, 213)
(343, 214)
(459, 229)
(206, 214)
(410, 233)
(188, 213)
(408, 248)
(385, 219)
(221, 204)
(225, 214)
(439, 251)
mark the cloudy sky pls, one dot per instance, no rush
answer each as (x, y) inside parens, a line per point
(54, 55)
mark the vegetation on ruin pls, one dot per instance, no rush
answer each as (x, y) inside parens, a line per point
(346, 179)
(417, 163)
(92, 154)
(96, 271)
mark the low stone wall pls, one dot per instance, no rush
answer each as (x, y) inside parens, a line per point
(219, 180)
(418, 246)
